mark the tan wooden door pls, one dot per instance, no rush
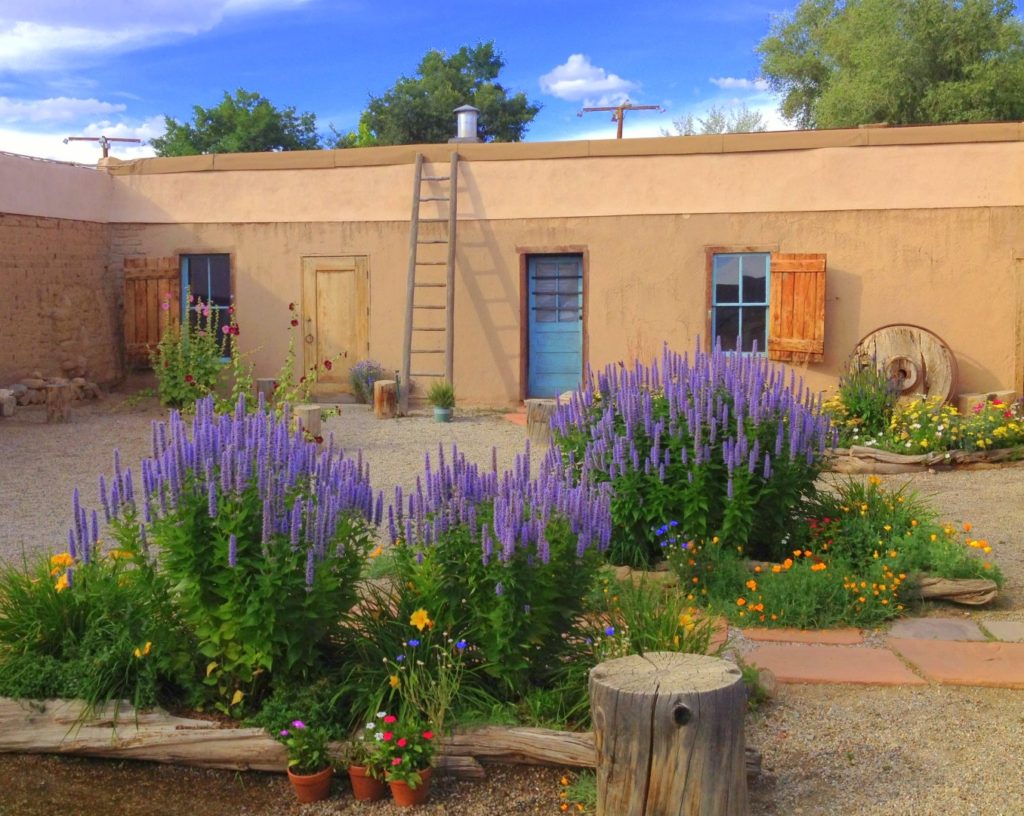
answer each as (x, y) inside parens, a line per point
(335, 316)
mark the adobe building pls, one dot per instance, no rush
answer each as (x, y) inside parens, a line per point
(567, 254)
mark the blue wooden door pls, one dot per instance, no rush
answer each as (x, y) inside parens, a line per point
(555, 308)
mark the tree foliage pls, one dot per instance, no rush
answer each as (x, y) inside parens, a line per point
(244, 123)
(740, 119)
(418, 110)
(840, 64)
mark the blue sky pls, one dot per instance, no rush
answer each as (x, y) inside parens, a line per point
(116, 67)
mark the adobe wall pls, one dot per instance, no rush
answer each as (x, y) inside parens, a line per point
(59, 306)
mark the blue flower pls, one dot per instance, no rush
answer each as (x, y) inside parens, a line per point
(400, 658)
(610, 631)
(460, 645)
(414, 643)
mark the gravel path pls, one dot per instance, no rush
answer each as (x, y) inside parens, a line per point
(827, 749)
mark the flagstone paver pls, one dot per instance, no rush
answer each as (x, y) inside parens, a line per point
(807, 663)
(936, 629)
(835, 637)
(965, 664)
(1011, 631)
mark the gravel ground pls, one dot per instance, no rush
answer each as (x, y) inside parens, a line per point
(827, 749)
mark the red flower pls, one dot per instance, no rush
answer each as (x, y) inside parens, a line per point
(291, 307)
(189, 379)
(428, 735)
(402, 742)
(302, 379)
(390, 718)
(231, 309)
(234, 330)
(396, 761)
(319, 440)
(386, 736)
(328, 364)
(295, 322)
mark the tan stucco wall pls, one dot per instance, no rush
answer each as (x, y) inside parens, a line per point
(54, 190)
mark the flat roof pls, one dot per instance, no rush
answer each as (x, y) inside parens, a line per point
(771, 141)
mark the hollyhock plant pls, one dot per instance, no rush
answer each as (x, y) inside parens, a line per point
(726, 443)
(262, 534)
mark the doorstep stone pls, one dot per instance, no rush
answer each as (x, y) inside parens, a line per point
(810, 663)
(936, 629)
(1011, 631)
(834, 637)
(965, 664)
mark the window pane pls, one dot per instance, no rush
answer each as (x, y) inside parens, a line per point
(569, 301)
(567, 315)
(198, 278)
(755, 276)
(545, 285)
(727, 278)
(220, 279)
(727, 326)
(755, 319)
(569, 286)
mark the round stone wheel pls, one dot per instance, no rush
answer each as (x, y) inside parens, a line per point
(917, 360)
(668, 729)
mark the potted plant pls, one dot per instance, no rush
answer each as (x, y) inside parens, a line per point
(366, 765)
(442, 396)
(309, 763)
(408, 751)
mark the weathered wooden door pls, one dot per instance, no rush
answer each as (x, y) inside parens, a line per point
(555, 309)
(335, 317)
(151, 302)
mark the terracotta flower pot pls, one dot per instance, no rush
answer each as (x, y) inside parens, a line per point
(364, 787)
(312, 787)
(407, 797)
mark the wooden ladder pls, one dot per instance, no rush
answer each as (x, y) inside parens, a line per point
(420, 279)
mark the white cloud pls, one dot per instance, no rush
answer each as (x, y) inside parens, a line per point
(738, 84)
(579, 79)
(50, 144)
(56, 109)
(53, 33)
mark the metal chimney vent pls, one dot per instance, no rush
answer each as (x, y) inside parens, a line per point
(466, 119)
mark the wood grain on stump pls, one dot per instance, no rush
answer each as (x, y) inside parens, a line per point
(538, 420)
(58, 402)
(385, 399)
(308, 417)
(668, 730)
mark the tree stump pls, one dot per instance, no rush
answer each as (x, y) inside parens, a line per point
(538, 420)
(58, 402)
(308, 417)
(385, 399)
(668, 730)
(266, 386)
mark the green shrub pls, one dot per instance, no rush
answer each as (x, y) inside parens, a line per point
(362, 376)
(188, 360)
(441, 394)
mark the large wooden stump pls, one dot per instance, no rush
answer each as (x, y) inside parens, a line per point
(538, 420)
(668, 729)
(266, 386)
(58, 402)
(308, 417)
(385, 399)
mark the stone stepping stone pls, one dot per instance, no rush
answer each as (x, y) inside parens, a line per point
(834, 637)
(936, 629)
(1011, 631)
(965, 664)
(807, 663)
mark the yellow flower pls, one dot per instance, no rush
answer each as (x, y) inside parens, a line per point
(61, 560)
(420, 619)
(62, 583)
(145, 650)
(376, 552)
(116, 555)
(393, 681)
(874, 481)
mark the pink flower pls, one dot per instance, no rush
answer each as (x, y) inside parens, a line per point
(166, 305)
(226, 329)
(391, 717)
(298, 724)
(402, 742)
(396, 761)
(428, 735)
(386, 736)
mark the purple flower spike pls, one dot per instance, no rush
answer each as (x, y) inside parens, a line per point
(233, 551)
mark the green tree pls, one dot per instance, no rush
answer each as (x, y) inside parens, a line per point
(840, 64)
(418, 110)
(740, 119)
(244, 123)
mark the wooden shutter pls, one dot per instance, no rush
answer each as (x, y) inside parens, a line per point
(148, 284)
(796, 308)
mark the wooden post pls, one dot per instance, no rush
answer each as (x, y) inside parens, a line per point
(58, 402)
(308, 417)
(538, 420)
(266, 386)
(385, 399)
(668, 730)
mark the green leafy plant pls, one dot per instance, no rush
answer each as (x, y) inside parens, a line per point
(362, 376)
(441, 394)
(405, 747)
(188, 360)
(307, 748)
(866, 398)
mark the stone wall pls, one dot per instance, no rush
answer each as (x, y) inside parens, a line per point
(60, 304)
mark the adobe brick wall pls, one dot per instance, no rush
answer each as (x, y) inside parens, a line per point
(59, 303)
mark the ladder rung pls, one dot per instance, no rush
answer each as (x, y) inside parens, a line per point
(416, 328)
(433, 220)
(425, 375)
(435, 178)
(428, 307)
(433, 241)
(434, 198)
(427, 351)
(431, 263)
(430, 285)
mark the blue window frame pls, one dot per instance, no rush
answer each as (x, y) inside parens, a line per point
(739, 300)
(207, 278)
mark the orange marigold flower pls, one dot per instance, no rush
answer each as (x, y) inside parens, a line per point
(752, 585)
(967, 526)
(741, 602)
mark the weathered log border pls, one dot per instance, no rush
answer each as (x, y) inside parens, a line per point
(117, 731)
(861, 459)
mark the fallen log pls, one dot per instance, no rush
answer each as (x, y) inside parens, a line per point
(117, 731)
(969, 591)
(862, 459)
